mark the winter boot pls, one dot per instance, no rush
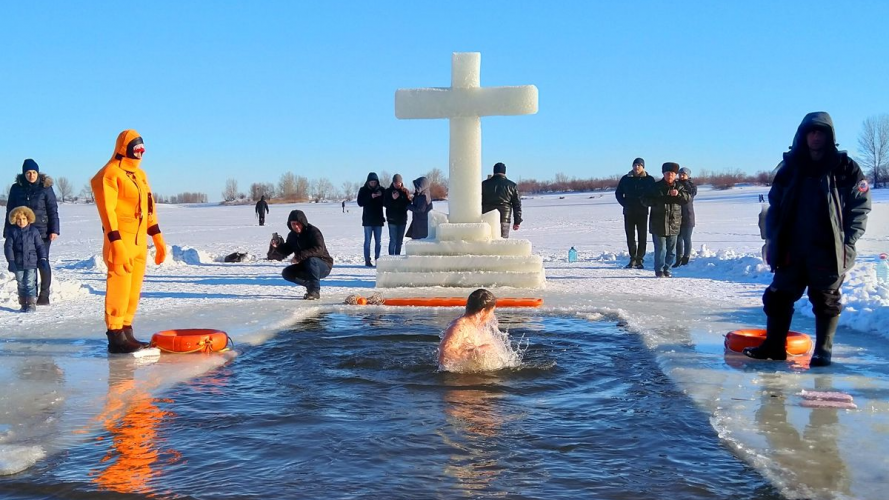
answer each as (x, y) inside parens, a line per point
(638, 264)
(825, 328)
(118, 344)
(131, 338)
(24, 303)
(631, 265)
(313, 295)
(677, 263)
(30, 305)
(368, 263)
(43, 298)
(685, 261)
(775, 344)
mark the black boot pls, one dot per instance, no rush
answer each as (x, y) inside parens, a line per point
(685, 261)
(131, 338)
(43, 298)
(774, 346)
(367, 263)
(118, 344)
(825, 328)
(677, 263)
(631, 265)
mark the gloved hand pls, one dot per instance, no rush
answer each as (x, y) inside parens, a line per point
(119, 262)
(160, 249)
(12, 268)
(43, 264)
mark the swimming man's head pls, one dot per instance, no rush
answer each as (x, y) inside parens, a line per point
(479, 300)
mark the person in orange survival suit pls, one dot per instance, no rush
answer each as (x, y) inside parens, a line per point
(128, 217)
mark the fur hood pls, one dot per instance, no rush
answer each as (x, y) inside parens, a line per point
(43, 180)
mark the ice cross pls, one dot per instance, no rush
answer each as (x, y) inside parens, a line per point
(464, 103)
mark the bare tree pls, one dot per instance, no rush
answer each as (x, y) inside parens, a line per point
(385, 179)
(66, 190)
(438, 184)
(259, 189)
(349, 190)
(231, 190)
(873, 148)
(87, 193)
(322, 189)
(287, 186)
(302, 188)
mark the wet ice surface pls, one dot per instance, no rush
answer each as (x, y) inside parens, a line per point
(681, 321)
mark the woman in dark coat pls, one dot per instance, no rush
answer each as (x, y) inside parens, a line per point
(421, 205)
(683, 243)
(34, 190)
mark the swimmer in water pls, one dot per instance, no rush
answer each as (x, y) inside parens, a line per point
(467, 337)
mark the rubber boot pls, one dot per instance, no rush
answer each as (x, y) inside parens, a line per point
(825, 328)
(775, 344)
(131, 338)
(118, 344)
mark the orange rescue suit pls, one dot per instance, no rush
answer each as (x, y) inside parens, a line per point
(128, 215)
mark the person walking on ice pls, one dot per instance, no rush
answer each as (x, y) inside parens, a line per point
(818, 207)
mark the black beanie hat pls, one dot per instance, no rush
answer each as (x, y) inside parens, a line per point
(30, 165)
(639, 161)
(499, 168)
(670, 167)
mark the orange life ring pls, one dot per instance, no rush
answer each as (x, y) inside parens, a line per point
(460, 302)
(191, 340)
(797, 343)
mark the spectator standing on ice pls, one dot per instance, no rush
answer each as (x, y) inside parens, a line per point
(818, 206)
(500, 193)
(34, 190)
(630, 192)
(665, 198)
(370, 198)
(420, 207)
(311, 262)
(396, 199)
(262, 208)
(683, 243)
(25, 253)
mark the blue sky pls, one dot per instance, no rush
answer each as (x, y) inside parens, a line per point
(250, 90)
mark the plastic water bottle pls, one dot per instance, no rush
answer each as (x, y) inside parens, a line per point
(883, 270)
(572, 255)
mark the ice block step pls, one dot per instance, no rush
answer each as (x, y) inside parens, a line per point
(449, 263)
(463, 248)
(465, 279)
(478, 231)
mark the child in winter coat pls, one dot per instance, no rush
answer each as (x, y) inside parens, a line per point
(25, 252)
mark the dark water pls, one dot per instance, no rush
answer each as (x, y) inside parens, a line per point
(352, 406)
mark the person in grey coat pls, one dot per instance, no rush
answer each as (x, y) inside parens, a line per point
(683, 243)
(818, 207)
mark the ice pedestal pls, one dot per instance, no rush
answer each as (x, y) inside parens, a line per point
(463, 255)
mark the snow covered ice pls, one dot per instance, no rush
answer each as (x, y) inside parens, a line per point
(53, 374)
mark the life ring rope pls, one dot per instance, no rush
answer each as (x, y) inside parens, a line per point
(205, 345)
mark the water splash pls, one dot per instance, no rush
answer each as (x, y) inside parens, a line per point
(500, 354)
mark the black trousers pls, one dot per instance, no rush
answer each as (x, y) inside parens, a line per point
(636, 227)
(261, 219)
(45, 272)
(815, 274)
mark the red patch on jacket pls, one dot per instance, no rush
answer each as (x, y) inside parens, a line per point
(863, 186)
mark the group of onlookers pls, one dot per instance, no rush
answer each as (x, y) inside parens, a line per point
(671, 219)
(397, 201)
(31, 225)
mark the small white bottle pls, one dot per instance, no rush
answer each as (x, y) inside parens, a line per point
(883, 270)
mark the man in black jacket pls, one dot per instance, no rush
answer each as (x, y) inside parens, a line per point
(665, 198)
(370, 199)
(262, 208)
(630, 191)
(310, 262)
(501, 194)
(818, 206)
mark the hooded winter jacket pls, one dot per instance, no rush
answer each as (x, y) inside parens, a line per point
(24, 247)
(123, 197)
(396, 209)
(421, 205)
(372, 214)
(308, 243)
(631, 190)
(666, 210)
(40, 198)
(841, 186)
(262, 206)
(502, 194)
(688, 210)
